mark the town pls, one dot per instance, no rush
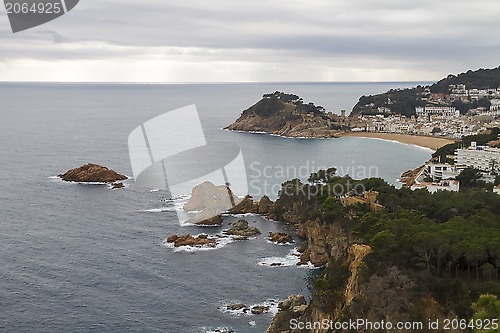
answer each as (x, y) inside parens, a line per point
(438, 117)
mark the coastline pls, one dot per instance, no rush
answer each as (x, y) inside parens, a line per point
(430, 142)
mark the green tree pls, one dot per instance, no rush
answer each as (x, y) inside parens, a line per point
(486, 308)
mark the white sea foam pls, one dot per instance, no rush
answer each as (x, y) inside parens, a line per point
(279, 244)
(158, 210)
(218, 330)
(291, 259)
(247, 311)
(240, 215)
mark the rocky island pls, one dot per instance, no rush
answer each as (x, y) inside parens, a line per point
(288, 116)
(92, 173)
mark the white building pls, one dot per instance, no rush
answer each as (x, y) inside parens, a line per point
(440, 171)
(444, 185)
(495, 105)
(496, 190)
(446, 111)
(479, 157)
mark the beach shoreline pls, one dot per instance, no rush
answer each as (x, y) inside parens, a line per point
(430, 142)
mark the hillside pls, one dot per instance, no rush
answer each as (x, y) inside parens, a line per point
(390, 254)
(404, 101)
(287, 115)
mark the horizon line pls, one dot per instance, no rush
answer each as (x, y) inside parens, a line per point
(208, 82)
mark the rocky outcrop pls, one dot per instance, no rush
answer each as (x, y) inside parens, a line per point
(116, 186)
(286, 115)
(242, 229)
(265, 205)
(237, 307)
(92, 173)
(210, 201)
(246, 206)
(280, 238)
(293, 307)
(188, 240)
(260, 309)
(408, 178)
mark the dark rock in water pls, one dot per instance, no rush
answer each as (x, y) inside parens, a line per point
(236, 307)
(265, 205)
(211, 221)
(291, 308)
(280, 237)
(242, 229)
(92, 173)
(188, 240)
(117, 185)
(260, 309)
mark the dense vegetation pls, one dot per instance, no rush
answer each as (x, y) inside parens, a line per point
(401, 101)
(480, 79)
(404, 101)
(271, 104)
(448, 242)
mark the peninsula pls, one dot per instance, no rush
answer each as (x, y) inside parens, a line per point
(288, 116)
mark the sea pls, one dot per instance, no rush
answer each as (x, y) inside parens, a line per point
(86, 258)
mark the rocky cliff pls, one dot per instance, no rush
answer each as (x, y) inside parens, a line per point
(286, 115)
(347, 290)
(354, 283)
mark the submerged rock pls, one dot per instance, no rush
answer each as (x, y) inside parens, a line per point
(242, 229)
(92, 173)
(188, 240)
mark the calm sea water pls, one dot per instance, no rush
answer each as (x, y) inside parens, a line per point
(81, 258)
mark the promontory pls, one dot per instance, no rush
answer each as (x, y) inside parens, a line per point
(288, 116)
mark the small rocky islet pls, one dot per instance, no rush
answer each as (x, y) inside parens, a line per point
(94, 173)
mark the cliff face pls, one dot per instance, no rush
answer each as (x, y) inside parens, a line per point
(286, 115)
(356, 281)
(346, 290)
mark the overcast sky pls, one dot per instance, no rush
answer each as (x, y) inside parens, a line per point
(257, 40)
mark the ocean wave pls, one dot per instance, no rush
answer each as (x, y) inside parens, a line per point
(290, 260)
(279, 244)
(218, 330)
(272, 304)
(157, 210)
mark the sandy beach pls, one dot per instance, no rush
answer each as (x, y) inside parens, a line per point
(421, 141)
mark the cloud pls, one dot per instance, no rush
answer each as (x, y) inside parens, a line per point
(196, 40)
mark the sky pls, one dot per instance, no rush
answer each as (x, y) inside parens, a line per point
(255, 41)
